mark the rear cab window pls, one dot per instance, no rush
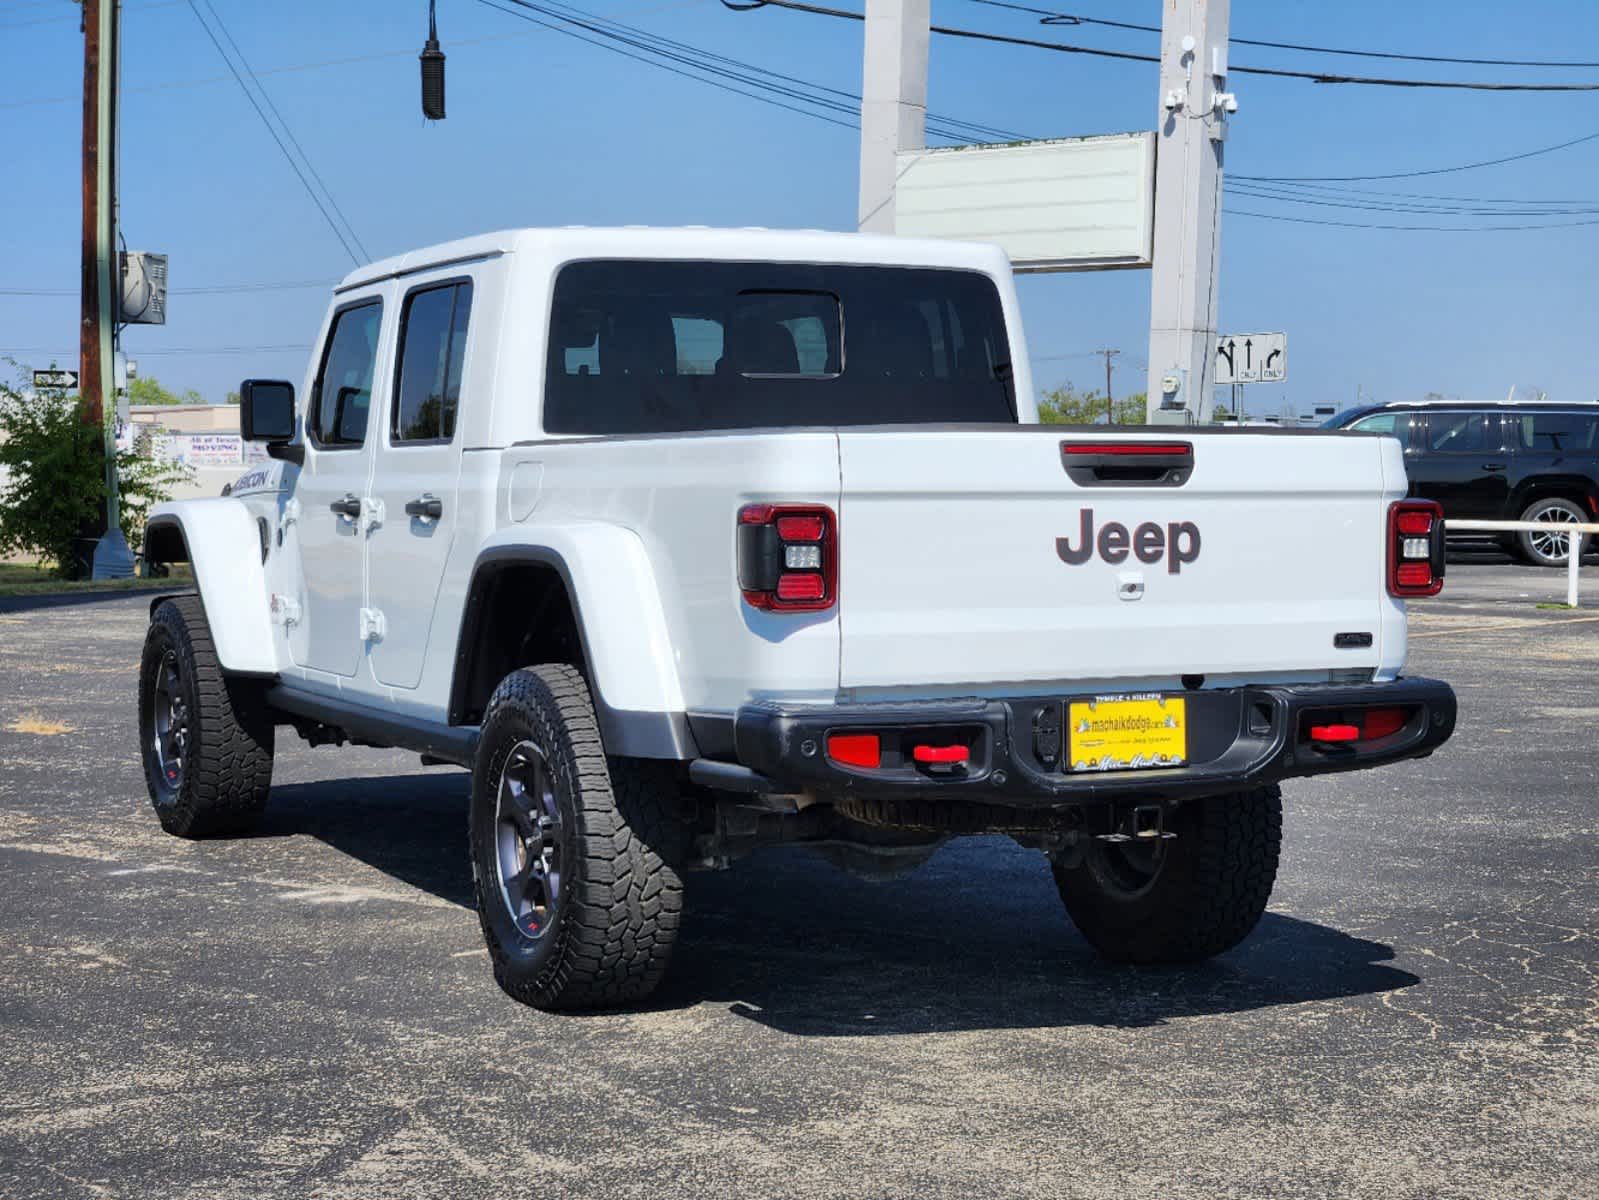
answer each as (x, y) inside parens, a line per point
(659, 347)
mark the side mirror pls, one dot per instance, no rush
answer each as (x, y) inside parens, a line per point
(266, 410)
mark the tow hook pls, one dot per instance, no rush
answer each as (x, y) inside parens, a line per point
(1145, 823)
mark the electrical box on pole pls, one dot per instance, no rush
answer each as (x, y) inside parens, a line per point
(1195, 107)
(144, 288)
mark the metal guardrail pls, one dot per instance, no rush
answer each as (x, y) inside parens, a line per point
(1574, 535)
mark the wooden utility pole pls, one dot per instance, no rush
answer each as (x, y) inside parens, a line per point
(1110, 402)
(101, 302)
(91, 390)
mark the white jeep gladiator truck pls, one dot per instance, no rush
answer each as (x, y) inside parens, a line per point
(690, 542)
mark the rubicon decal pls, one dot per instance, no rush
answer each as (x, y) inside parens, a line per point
(1177, 543)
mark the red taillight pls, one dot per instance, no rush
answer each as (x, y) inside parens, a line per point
(788, 557)
(1126, 449)
(801, 529)
(856, 749)
(1415, 548)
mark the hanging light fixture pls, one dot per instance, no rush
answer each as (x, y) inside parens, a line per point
(432, 71)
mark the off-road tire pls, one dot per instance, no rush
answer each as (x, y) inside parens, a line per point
(621, 901)
(1524, 540)
(227, 768)
(1207, 894)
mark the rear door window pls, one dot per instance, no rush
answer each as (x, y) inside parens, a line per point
(432, 354)
(1382, 423)
(1555, 432)
(657, 347)
(342, 396)
(1462, 432)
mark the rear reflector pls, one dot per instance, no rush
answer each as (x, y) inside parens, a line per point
(941, 754)
(1380, 722)
(793, 588)
(1345, 725)
(856, 749)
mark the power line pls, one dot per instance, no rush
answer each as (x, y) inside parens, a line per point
(1059, 18)
(195, 350)
(1471, 166)
(1322, 77)
(220, 289)
(833, 105)
(1238, 212)
(299, 174)
(1403, 206)
(284, 125)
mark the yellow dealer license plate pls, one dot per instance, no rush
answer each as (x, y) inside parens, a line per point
(1120, 733)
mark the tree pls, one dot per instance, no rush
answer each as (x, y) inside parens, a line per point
(148, 390)
(1065, 405)
(52, 480)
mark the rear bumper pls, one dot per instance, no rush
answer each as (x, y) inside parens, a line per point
(1238, 738)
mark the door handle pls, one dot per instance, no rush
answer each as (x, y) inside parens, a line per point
(349, 508)
(427, 506)
(1493, 466)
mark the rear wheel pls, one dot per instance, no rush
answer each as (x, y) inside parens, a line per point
(575, 856)
(1185, 898)
(206, 737)
(1549, 548)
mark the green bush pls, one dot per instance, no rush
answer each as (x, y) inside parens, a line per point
(1065, 405)
(52, 482)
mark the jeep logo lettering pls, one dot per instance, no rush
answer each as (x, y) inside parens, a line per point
(1177, 543)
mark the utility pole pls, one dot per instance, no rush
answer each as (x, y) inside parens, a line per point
(1194, 108)
(1110, 402)
(893, 102)
(100, 295)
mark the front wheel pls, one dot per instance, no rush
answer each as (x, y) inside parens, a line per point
(206, 737)
(575, 856)
(1549, 547)
(1181, 899)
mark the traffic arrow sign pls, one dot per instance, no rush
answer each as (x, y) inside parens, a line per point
(57, 380)
(1251, 358)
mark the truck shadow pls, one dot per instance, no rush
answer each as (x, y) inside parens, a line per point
(974, 939)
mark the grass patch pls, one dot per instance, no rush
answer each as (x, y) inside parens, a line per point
(30, 579)
(1558, 607)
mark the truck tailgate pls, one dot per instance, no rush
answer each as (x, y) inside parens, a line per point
(953, 567)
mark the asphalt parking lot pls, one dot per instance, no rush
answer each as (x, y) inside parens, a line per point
(309, 1012)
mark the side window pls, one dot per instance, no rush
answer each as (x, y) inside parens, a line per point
(1379, 423)
(343, 393)
(1462, 432)
(1555, 433)
(427, 392)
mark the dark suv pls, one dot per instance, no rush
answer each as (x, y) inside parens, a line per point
(1498, 462)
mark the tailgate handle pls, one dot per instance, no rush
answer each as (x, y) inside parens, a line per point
(1128, 464)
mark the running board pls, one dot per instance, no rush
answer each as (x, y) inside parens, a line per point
(451, 743)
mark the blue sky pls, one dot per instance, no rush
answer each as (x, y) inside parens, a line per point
(546, 130)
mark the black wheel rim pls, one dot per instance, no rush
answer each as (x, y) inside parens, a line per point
(528, 841)
(169, 726)
(1127, 869)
